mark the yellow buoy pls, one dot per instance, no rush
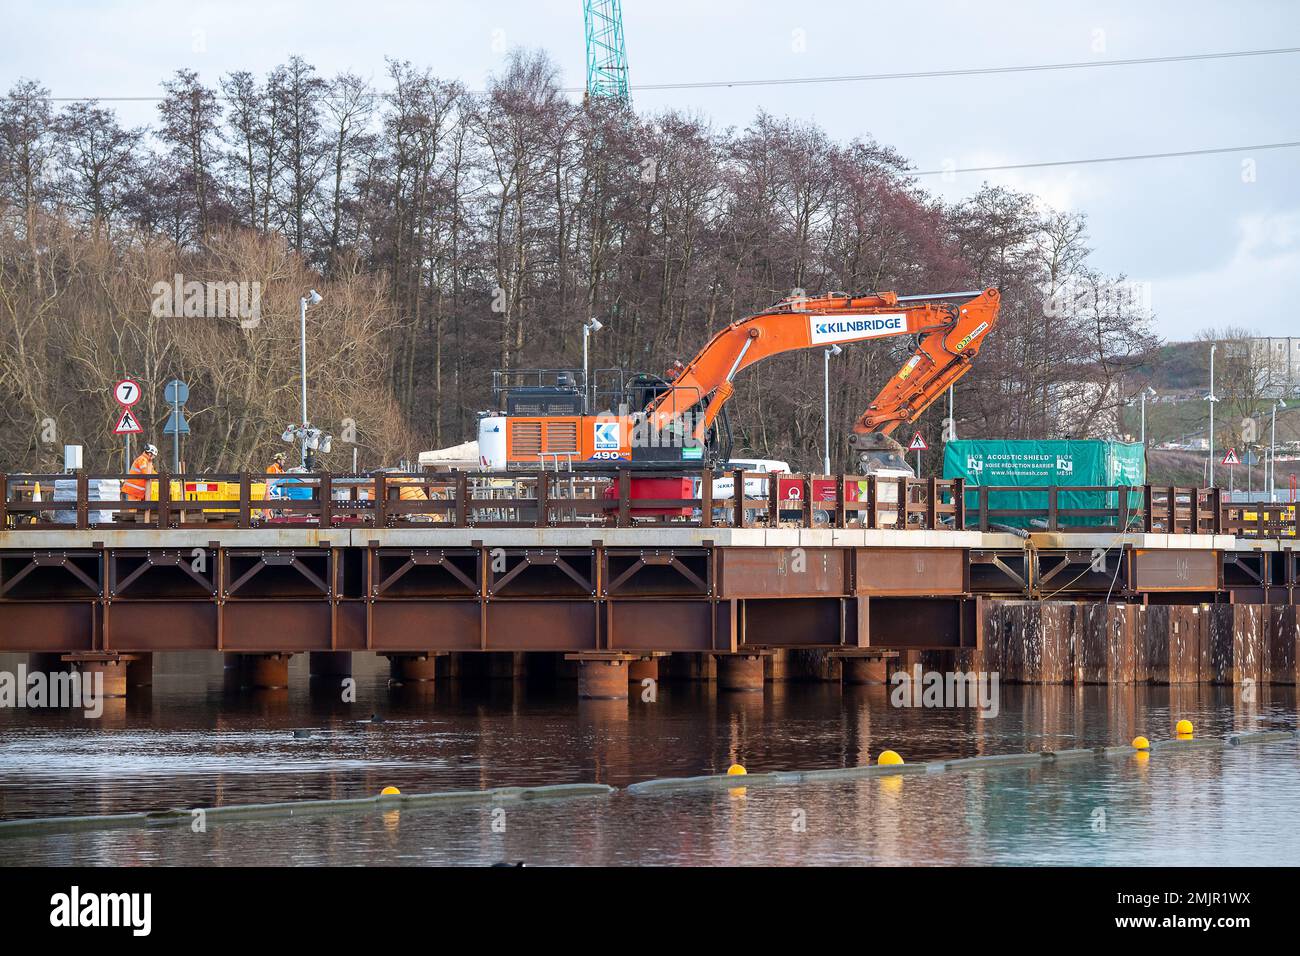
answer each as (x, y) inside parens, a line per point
(889, 759)
(389, 792)
(1184, 728)
(736, 770)
(1141, 743)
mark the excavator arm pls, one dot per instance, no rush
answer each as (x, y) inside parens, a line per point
(949, 329)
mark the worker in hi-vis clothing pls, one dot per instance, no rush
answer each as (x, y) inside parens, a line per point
(277, 464)
(143, 465)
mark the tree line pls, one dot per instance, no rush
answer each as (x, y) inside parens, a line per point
(453, 233)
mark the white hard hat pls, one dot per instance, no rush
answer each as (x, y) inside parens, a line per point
(151, 449)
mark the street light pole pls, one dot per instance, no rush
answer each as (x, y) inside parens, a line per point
(1145, 392)
(1211, 399)
(1272, 452)
(592, 324)
(826, 406)
(312, 298)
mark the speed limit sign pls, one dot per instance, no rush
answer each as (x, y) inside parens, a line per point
(126, 392)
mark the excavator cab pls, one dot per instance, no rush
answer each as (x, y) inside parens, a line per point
(675, 441)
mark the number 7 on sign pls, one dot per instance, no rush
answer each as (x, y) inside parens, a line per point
(126, 392)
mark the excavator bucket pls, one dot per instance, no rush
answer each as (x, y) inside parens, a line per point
(879, 454)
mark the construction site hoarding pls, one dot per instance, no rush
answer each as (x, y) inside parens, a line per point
(1039, 465)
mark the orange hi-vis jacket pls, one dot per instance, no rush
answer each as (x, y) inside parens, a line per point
(143, 465)
(274, 469)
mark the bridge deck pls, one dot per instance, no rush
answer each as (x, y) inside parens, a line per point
(906, 565)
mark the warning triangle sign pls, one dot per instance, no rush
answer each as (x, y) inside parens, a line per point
(127, 424)
(1231, 457)
(918, 443)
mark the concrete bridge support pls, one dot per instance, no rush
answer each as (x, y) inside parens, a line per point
(741, 671)
(139, 670)
(689, 667)
(112, 671)
(335, 664)
(603, 676)
(507, 665)
(266, 671)
(412, 668)
(858, 669)
(639, 670)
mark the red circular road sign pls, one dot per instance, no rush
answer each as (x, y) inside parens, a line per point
(126, 392)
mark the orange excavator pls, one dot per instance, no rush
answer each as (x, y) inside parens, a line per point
(681, 412)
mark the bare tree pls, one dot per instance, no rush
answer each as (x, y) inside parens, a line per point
(98, 161)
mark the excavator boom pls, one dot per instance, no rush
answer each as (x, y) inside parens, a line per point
(949, 329)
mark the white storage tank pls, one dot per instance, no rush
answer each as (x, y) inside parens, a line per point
(492, 441)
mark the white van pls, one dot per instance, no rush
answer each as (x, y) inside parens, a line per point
(755, 487)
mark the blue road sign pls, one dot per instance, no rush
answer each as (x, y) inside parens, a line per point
(176, 392)
(176, 423)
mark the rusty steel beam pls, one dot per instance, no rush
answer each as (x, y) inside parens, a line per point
(783, 572)
(700, 597)
(912, 571)
(1174, 569)
(926, 623)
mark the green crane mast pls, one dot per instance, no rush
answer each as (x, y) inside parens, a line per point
(606, 55)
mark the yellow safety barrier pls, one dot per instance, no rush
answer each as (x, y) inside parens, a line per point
(1288, 518)
(209, 491)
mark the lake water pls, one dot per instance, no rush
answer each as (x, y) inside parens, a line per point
(185, 743)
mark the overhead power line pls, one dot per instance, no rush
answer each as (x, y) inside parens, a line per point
(1108, 159)
(848, 78)
(972, 71)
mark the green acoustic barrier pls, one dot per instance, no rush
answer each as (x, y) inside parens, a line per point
(1037, 465)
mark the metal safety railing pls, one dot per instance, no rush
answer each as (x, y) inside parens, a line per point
(623, 498)
(528, 498)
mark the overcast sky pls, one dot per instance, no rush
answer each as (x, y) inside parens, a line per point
(1218, 247)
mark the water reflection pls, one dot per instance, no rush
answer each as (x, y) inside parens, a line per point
(1199, 807)
(188, 743)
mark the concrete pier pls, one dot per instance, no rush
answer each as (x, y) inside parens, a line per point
(510, 665)
(139, 670)
(865, 670)
(641, 669)
(602, 676)
(333, 664)
(689, 667)
(264, 671)
(113, 673)
(740, 672)
(412, 668)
